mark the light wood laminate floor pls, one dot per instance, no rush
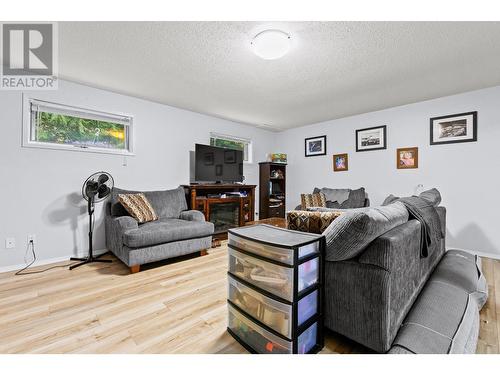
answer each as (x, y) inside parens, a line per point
(175, 307)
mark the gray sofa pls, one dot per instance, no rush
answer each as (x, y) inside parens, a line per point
(178, 231)
(375, 271)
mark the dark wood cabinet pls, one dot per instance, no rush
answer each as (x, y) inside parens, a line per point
(225, 205)
(272, 190)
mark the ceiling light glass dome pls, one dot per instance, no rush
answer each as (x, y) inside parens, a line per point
(271, 44)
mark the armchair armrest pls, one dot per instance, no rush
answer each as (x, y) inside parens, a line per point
(124, 222)
(115, 227)
(192, 215)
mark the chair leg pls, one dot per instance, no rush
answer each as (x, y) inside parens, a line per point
(203, 252)
(135, 269)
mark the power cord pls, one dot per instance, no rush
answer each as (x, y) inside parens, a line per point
(31, 244)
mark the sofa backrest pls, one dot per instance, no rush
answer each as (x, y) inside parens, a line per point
(344, 198)
(354, 230)
(166, 203)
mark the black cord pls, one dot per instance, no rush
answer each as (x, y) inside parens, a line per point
(20, 272)
(32, 244)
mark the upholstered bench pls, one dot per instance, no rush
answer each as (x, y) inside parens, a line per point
(445, 317)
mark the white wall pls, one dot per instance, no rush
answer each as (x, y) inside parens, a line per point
(467, 174)
(40, 189)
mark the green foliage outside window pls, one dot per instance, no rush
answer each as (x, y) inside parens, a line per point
(64, 129)
(231, 144)
(226, 143)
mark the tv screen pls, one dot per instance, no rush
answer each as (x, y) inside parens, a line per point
(217, 164)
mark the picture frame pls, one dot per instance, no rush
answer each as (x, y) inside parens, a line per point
(315, 146)
(340, 162)
(371, 139)
(457, 128)
(407, 158)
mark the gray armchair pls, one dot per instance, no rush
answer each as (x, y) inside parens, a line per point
(178, 231)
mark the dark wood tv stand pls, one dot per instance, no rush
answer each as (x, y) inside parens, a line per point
(224, 211)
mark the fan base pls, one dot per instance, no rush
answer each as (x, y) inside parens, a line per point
(89, 260)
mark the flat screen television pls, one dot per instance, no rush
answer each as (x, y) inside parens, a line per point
(217, 164)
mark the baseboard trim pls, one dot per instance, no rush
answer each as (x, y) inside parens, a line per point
(478, 253)
(43, 262)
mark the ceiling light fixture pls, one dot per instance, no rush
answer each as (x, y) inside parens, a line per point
(271, 44)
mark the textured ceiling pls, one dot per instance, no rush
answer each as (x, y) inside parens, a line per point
(333, 70)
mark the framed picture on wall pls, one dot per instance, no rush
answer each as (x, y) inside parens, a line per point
(315, 146)
(457, 128)
(340, 162)
(370, 139)
(407, 158)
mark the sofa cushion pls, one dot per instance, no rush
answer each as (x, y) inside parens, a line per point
(166, 203)
(442, 320)
(463, 270)
(166, 230)
(433, 196)
(336, 195)
(312, 200)
(353, 231)
(445, 317)
(138, 206)
(390, 199)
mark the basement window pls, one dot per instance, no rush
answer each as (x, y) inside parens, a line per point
(62, 127)
(233, 143)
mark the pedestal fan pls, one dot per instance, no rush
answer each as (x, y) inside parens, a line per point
(95, 189)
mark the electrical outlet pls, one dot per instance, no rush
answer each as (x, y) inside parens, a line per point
(31, 237)
(10, 243)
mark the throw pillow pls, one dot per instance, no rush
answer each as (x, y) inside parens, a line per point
(138, 206)
(354, 230)
(356, 199)
(312, 200)
(311, 221)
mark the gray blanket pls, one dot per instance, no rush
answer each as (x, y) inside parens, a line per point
(427, 215)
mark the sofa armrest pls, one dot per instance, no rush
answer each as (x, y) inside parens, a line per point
(192, 215)
(394, 249)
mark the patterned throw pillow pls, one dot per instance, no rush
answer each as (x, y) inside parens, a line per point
(312, 200)
(138, 206)
(311, 221)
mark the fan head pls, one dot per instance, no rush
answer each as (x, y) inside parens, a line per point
(97, 187)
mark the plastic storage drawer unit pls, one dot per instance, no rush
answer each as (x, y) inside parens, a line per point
(275, 289)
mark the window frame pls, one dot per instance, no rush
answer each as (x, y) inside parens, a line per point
(233, 138)
(77, 112)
